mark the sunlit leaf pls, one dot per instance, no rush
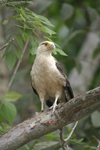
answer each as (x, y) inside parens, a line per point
(22, 11)
(60, 51)
(49, 31)
(22, 17)
(6, 21)
(13, 96)
(54, 52)
(45, 20)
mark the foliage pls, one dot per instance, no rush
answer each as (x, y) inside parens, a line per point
(26, 23)
(72, 21)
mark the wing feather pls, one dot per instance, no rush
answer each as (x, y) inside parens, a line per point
(34, 88)
(67, 88)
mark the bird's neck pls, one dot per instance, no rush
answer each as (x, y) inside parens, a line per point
(44, 53)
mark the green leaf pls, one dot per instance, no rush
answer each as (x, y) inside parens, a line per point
(93, 147)
(30, 2)
(54, 52)
(36, 34)
(8, 111)
(33, 49)
(22, 11)
(13, 96)
(31, 58)
(49, 31)
(60, 51)
(10, 60)
(6, 21)
(19, 40)
(17, 52)
(6, 51)
(77, 141)
(19, 26)
(22, 18)
(43, 29)
(32, 40)
(4, 128)
(19, 29)
(28, 31)
(24, 36)
(8, 29)
(8, 38)
(43, 19)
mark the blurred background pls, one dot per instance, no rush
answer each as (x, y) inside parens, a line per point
(77, 24)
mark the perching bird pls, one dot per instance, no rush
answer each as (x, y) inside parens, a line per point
(48, 79)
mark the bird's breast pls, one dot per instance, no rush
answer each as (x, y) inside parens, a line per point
(46, 78)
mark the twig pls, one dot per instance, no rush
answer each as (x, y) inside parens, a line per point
(7, 44)
(61, 138)
(98, 142)
(14, 72)
(64, 146)
(71, 131)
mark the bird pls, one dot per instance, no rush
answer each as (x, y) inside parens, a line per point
(48, 78)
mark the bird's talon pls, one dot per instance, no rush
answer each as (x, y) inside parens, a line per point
(36, 113)
(50, 107)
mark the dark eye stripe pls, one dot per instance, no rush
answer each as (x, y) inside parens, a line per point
(43, 43)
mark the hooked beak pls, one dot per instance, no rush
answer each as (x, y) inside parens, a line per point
(52, 46)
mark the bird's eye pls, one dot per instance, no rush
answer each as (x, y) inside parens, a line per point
(46, 44)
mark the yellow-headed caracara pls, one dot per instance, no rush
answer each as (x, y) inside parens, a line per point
(48, 79)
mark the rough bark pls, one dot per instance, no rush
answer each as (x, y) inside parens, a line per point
(45, 122)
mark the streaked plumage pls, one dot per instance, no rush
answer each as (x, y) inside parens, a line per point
(48, 79)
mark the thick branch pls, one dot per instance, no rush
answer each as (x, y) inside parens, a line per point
(44, 123)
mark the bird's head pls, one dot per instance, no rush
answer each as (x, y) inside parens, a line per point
(46, 48)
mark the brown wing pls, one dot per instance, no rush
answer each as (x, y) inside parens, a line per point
(67, 88)
(33, 88)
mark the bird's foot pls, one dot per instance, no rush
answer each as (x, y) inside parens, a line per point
(51, 107)
(54, 107)
(36, 113)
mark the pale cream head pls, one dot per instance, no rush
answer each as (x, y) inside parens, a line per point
(46, 48)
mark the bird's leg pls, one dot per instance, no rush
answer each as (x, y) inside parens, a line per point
(42, 102)
(55, 103)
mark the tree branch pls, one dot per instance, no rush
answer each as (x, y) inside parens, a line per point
(44, 123)
(7, 44)
(98, 143)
